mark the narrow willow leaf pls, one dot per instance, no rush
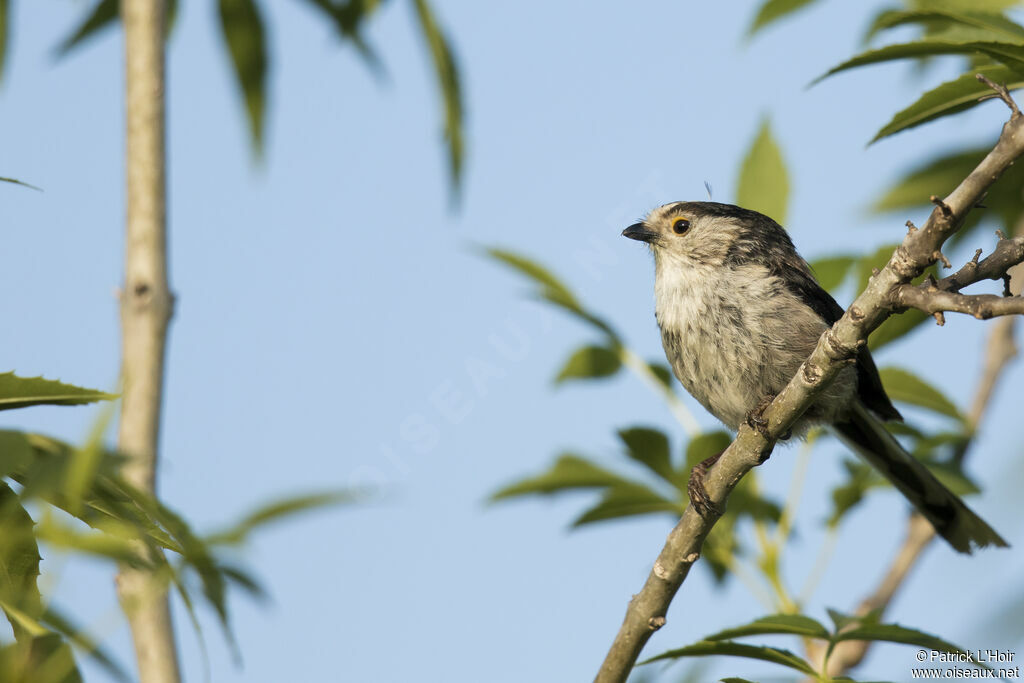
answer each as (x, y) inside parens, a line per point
(771, 11)
(552, 290)
(97, 544)
(52, 661)
(980, 25)
(245, 581)
(4, 31)
(940, 175)
(951, 97)
(243, 31)
(832, 272)
(906, 387)
(85, 462)
(894, 633)
(21, 392)
(104, 15)
(448, 78)
(707, 648)
(15, 181)
(569, 472)
(848, 495)
(348, 19)
(77, 636)
(649, 447)
(533, 270)
(19, 568)
(278, 511)
(628, 500)
(764, 183)
(1008, 53)
(590, 362)
(793, 624)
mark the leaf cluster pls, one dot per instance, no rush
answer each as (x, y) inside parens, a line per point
(244, 31)
(844, 628)
(83, 505)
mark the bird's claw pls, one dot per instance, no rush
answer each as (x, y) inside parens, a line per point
(755, 418)
(699, 498)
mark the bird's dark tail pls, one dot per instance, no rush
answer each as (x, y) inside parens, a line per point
(953, 520)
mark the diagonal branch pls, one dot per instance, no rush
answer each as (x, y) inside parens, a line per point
(836, 349)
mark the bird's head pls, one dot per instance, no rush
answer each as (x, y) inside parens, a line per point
(710, 234)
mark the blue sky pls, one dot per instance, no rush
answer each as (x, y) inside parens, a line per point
(336, 325)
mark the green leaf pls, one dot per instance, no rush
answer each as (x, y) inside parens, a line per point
(104, 545)
(894, 633)
(569, 472)
(906, 387)
(19, 567)
(895, 327)
(590, 362)
(942, 174)
(832, 272)
(15, 181)
(552, 289)
(242, 27)
(348, 19)
(771, 11)
(792, 624)
(982, 26)
(81, 640)
(4, 32)
(21, 392)
(951, 97)
(245, 581)
(628, 500)
(763, 183)
(534, 271)
(1010, 54)
(707, 648)
(50, 660)
(662, 372)
(860, 479)
(448, 79)
(279, 510)
(704, 445)
(649, 447)
(104, 15)
(86, 461)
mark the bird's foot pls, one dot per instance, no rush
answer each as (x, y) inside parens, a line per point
(755, 418)
(699, 498)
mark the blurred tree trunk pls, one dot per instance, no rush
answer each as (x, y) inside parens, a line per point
(146, 308)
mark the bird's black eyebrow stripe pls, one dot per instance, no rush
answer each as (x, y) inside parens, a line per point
(677, 208)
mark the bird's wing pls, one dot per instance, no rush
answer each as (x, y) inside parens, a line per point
(869, 384)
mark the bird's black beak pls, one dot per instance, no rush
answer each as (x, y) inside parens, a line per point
(639, 231)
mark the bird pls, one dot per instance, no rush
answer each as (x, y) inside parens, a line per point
(739, 311)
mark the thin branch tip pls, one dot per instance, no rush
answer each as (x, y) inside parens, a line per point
(999, 91)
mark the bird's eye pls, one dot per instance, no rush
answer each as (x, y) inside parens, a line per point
(680, 225)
